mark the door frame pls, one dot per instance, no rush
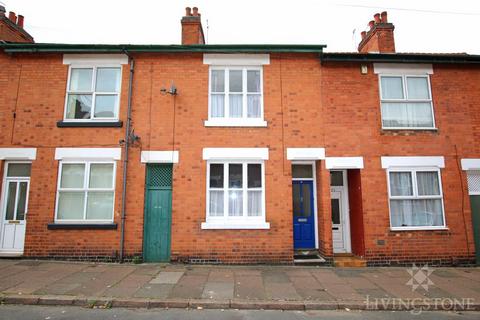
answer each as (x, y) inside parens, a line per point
(314, 182)
(347, 238)
(5, 179)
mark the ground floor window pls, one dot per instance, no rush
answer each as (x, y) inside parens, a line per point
(85, 191)
(416, 199)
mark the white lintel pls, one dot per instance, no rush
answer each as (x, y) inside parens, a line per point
(470, 164)
(86, 59)
(88, 153)
(235, 153)
(305, 153)
(18, 153)
(159, 157)
(236, 59)
(344, 163)
(423, 161)
(403, 68)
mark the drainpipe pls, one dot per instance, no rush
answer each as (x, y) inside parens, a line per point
(125, 157)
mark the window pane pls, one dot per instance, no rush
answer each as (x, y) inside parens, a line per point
(428, 184)
(336, 178)
(70, 205)
(216, 204)
(217, 108)
(254, 203)
(72, 175)
(335, 203)
(235, 175)
(297, 210)
(108, 79)
(254, 108)
(218, 81)
(253, 81)
(236, 105)
(11, 197)
(235, 80)
(22, 201)
(401, 184)
(105, 106)
(307, 200)
(417, 88)
(414, 213)
(19, 170)
(254, 175)
(101, 175)
(79, 106)
(302, 171)
(216, 176)
(81, 80)
(416, 114)
(100, 206)
(392, 88)
(235, 203)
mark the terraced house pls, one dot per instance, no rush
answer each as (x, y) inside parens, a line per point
(244, 153)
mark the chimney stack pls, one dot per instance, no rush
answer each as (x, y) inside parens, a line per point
(379, 37)
(192, 31)
(2, 11)
(12, 16)
(20, 21)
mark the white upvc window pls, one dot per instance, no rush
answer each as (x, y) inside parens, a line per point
(406, 101)
(235, 195)
(93, 93)
(235, 96)
(85, 192)
(416, 198)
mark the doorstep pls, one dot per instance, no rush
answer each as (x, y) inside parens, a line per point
(348, 260)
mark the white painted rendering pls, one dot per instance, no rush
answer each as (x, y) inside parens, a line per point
(344, 163)
(470, 164)
(305, 153)
(159, 157)
(235, 153)
(388, 162)
(236, 59)
(88, 153)
(89, 59)
(402, 68)
(18, 153)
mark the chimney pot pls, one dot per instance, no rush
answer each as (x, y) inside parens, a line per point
(377, 18)
(2, 10)
(371, 24)
(364, 34)
(12, 17)
(384, 17)
(195, 12)
(188, 11)
(20, 20)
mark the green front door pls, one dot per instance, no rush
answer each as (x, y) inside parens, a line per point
(158, 213)
(475, 204)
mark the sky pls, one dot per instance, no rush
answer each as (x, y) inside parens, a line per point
(420, 25)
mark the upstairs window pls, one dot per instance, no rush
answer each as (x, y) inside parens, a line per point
(406, 102)
(236, 94)
(93, 93)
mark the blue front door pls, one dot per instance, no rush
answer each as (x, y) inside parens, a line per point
(303, 220)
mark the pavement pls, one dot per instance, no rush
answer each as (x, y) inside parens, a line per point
(97, 285)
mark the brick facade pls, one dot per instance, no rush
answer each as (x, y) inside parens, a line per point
(306, 104)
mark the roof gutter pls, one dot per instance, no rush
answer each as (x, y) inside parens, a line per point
(400, 58)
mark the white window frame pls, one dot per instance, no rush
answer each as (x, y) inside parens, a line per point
(235, 222)
(228, 121)
(404, 77)
(85, 189)
(413, 173)
(95, 67)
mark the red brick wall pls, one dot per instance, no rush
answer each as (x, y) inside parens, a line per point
(306, 105)
(10, 34)
(353, 128)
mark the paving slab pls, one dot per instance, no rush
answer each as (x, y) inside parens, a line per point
(157, 291)
(167, 277)
(281, 291)
(189, 287)
(128, 286)
(249, 287)
(218, 290)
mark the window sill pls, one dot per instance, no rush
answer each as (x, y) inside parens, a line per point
(89, 124)
(238, 226)
(82, 226)
(419, 229)
(235, 123)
